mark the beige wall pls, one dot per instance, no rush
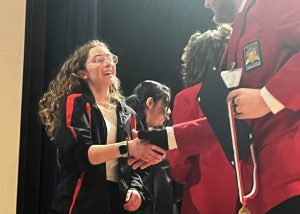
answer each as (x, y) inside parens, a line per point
(12, 24)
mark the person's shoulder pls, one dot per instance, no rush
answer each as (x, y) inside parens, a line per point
(76, 100)
(190, 91)
(75, 97)
(71, 103)
(264, 5)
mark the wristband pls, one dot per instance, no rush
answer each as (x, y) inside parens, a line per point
(123, 149)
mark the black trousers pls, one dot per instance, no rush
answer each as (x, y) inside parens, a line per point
(290, 206)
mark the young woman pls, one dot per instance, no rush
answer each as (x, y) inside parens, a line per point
(84, 114)
(151, 101)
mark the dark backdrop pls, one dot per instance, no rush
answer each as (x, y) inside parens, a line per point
(147, 35)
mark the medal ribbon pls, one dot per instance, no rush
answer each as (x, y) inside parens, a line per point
(243, 198)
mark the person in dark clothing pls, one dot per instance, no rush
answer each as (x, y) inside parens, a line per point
(151, 101)
(84, 113)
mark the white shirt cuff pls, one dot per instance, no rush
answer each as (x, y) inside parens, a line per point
(274, 105)
(171, 138)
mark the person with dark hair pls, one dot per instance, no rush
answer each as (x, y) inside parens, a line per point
(84, 113)
(208, 177)
(151, 101)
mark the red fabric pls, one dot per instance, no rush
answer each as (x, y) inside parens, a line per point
(69, 112)
(77, 189)
(210, 186)
(133, 126)
(88, 110)
(275, 24)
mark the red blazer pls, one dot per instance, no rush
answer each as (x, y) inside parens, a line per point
(200, 163)
(272, 30)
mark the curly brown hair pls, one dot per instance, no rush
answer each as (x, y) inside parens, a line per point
(66, 82)
(203, 54)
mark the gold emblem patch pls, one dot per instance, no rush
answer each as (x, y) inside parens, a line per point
(252, 56)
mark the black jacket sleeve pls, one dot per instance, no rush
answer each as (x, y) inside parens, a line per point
(73, 137)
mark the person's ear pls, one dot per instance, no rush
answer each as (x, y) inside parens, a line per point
(149, 103)
(82, 75)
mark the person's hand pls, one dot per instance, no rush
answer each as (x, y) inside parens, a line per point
(137, 163)
(158, 137)
(133, 200)
(248, 103)
(144, 151)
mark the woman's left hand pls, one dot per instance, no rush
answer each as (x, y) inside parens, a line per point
(248, 103)
(133, 200)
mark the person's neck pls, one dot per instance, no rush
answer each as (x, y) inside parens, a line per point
(101, 95)
(238, 5)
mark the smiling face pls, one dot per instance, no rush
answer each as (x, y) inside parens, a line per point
(100, 68)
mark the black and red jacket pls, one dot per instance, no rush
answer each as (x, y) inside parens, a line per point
(82, 187)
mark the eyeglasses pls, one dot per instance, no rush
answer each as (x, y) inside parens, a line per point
(103, 60)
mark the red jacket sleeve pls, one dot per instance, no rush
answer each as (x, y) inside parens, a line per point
(180, 165)
(193, 132)
(284, 85)
(194, 137)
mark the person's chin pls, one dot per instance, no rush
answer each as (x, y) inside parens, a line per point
(222, 20)
(110, 78)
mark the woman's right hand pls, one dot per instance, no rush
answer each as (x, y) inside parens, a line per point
(149, 153)
(138, 163)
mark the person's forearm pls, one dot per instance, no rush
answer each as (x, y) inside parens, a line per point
(98, 154)
(195, 136)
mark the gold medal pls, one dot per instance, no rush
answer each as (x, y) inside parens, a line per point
(244, 210)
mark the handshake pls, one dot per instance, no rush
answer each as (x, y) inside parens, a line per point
(148, 149)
